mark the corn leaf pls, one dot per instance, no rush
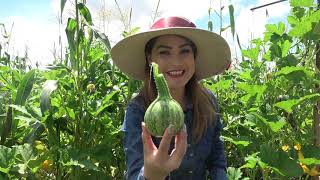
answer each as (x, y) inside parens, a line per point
(84, 11)
(232, 24)
(24, 88)
(62, 4)
(70, 31)
(102, 37)
(48, 87)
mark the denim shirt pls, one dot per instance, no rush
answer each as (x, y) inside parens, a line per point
(203, 160)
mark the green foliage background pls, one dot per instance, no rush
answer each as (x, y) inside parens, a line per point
(64, 122)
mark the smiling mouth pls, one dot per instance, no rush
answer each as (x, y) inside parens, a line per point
(176, 73)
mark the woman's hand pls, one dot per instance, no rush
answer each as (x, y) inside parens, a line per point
(157, 163)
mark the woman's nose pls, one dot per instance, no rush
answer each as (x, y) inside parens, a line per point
(177, 58)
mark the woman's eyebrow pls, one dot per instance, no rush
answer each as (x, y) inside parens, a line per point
(163, 46)
(169, 47)
(183, 45)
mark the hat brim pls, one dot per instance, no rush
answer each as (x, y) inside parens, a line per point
(213, 52)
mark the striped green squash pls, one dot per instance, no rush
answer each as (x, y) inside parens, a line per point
(164, 111)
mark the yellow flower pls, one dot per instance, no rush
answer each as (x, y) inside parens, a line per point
(285, 148)
(300, 155)
(313, 171)
(46, 164)
(297, 147)
(91, 87)
(305, 168)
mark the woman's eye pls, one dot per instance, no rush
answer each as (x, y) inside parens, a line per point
(164, 52)
(186, 51)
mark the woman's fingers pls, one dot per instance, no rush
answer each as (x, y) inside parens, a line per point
(165, 142)
(148, 145)
(180, 149)
(160, 155)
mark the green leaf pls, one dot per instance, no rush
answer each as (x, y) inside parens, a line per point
(24, 152)
(79, 158)
(285, 47)
(310, 161)
(132, 31)
(6, 158)
(48, 87)
(36, 163)
(252, 53)
(314, 17)
(239, 44)
(234, 173)
(19, 168)
(271, 28)
(86, 164)
(232, 24)
(274, 122)
(84, 11)
(316, 29)
(210, 25)
(224, 28)
(301, 3)
(246, 75)
(34, 111)
(251, 161)
(277, 29)
(310, 151)
(292, 20)
(300, 29)
(221, 85)
(102, 37)
(71, 113)
(105, 103)
(281, 28)
(252, 90)
(290, 104)
(294, 69)
(70, 31)
(62, 4)
(280, 161)
(26, 120)
(21, 109)
(24, 88)
(37, 129)
(287, 105)
(237, 141)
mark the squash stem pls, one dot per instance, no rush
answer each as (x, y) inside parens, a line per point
(162, 87)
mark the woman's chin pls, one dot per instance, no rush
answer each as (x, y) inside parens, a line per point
(176, 85)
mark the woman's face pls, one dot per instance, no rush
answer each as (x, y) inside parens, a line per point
(175, 58)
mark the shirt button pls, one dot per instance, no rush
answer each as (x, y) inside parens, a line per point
(190, 172)
(191, 154)
(189, 145)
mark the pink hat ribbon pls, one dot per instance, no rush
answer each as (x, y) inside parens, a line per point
(172, 22)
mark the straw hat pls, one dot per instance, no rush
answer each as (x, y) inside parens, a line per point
(213, 52)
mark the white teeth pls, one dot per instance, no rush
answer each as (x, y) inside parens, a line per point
(175, 73)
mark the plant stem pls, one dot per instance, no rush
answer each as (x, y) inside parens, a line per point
(156, 12)
(162, 87)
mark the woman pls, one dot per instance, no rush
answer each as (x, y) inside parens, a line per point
(185, 55)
